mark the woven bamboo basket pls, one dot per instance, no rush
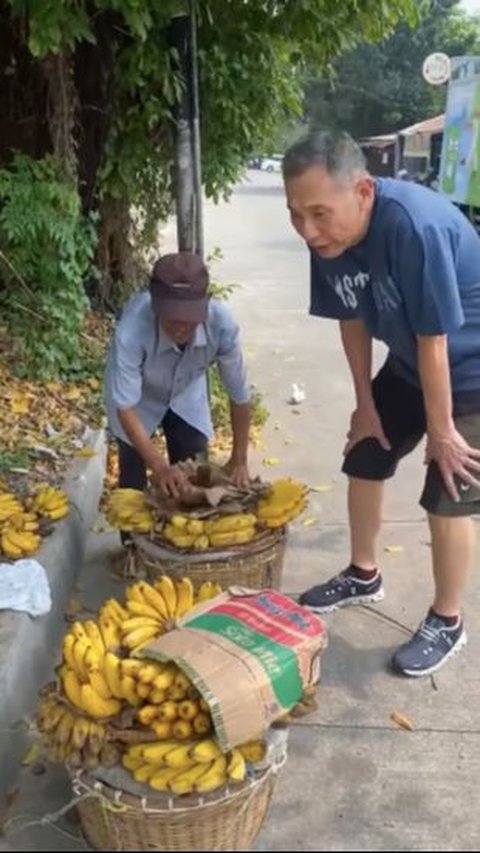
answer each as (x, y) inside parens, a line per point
(258, 564)
(115, 820)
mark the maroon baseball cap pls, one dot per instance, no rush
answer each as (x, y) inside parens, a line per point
(179, 286)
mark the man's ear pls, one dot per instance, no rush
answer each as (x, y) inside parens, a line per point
(365, 190)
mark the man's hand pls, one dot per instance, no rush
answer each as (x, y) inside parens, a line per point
(238, 472)
(171, 481)
(454, 457)
(365, 423)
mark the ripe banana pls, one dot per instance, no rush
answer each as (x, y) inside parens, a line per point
(111, 632)
(113, 677)
(188, 710)
(167, 711)
(214, 777)
(95, 637)
(236, 767)
(166, 588)
(206, 751)
(140, 636)
(182, 729)
(202, 724)
(179, 757)
(162, 728)
(184, 782)
(254, 751)
(160, 781)
(72, 687)
(185, 597)
(97, 707)
(155, 599)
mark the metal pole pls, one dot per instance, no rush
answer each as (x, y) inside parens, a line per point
(196, 136)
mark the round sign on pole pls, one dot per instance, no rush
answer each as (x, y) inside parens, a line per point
(436, 69)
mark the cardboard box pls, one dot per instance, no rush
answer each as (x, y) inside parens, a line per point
(250, 654)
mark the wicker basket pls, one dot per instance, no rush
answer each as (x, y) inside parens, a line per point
(258, 565)
(114, 820)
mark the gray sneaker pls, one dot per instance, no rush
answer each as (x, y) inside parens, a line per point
(431, 646)
(341, 590)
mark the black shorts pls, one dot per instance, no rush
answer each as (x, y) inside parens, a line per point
(401, 409)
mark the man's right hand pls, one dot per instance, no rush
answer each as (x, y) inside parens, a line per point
(365, 423)
(171, 480)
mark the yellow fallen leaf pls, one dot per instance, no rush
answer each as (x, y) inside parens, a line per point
(250, 350)
(321, 488)
(394, 549)
(20, 404)
(32, 754)
(310, 521)
(94, 383)
(291, 441)
(72, 394)
(86, 452)
(401, 720)
(271, 460)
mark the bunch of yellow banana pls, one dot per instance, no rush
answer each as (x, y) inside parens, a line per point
(185, 532)
(196, 766)
(85, 672)
(177, 711)
(9, 505)
(127, 509)
(153, 609)
(71, 737)
(285, 500)
(19, 536)
(206, 591)
(51, 502)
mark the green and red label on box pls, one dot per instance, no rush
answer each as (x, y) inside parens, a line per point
(250, 653)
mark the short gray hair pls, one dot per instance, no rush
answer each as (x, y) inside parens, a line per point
(335, 150)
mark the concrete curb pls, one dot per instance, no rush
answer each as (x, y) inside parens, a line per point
(28, 646)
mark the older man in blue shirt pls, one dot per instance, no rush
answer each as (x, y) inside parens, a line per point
(394, 261)
(156, 376)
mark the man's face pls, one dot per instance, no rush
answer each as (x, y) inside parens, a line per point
(178, 331)
(330, 215)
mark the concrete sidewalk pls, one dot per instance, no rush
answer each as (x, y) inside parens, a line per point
(354, 781)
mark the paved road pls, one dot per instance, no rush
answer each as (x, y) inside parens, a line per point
(353, 781)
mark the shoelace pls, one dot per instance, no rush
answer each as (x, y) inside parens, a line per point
(432, 633)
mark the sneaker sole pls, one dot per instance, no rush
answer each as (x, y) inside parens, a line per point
(359, 599)
(415, 673)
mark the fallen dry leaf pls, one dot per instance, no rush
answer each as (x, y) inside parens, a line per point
(291, 441)
(32, 754)
(74, 607)
(310, 521)
(323, 487)
(20, 403)
(394, 549)
(401, 720)
(271, 460)
(86, 452)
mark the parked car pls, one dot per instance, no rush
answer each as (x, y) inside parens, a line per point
(272, 164)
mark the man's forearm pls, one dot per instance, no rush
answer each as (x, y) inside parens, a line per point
(140, 438)
(240, 416)
(434, 370)
(357, 345)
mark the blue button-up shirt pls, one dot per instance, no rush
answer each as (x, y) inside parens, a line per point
(147, 371)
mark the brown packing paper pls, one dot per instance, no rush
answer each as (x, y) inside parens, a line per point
(242, 686)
